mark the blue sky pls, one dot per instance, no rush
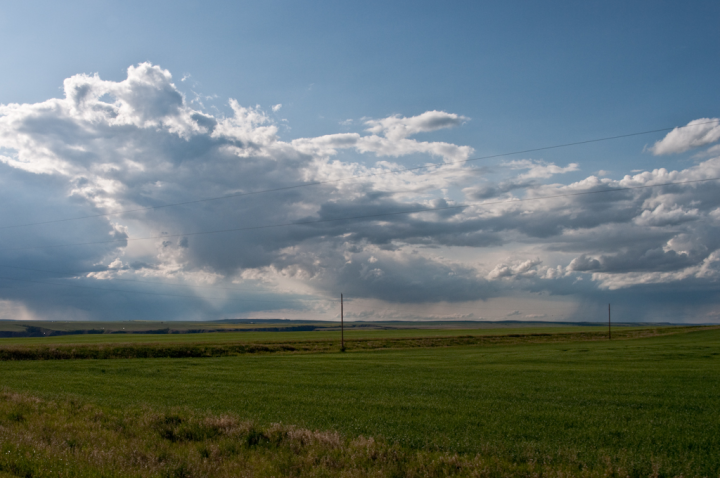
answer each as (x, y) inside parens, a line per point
(464, 80)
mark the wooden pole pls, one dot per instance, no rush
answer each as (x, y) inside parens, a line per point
(342, 325)
(609, 332)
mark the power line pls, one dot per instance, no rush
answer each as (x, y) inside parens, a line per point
(318, 183)
(367, 216)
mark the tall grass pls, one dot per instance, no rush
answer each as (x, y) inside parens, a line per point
(68, 438)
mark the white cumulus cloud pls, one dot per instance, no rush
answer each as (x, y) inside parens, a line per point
(398, 127)
(106, 147)
(697, 133)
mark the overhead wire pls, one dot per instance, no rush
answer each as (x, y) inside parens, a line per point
(349, 178)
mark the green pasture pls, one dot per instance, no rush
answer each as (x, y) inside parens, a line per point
(254, 337)
(646, 402)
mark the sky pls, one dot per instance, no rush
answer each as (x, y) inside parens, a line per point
(429, 160)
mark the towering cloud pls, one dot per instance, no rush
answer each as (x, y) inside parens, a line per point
(294, 224)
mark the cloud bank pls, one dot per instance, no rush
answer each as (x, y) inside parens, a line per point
(137, 145)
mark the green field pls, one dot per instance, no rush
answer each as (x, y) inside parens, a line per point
(642, 403)
(229, 337)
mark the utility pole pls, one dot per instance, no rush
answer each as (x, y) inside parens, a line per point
(609, 332)
(342, 326)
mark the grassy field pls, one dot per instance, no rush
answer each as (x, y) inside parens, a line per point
(229, 337)
(44, 439)
(229, 344)
(642, 405)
